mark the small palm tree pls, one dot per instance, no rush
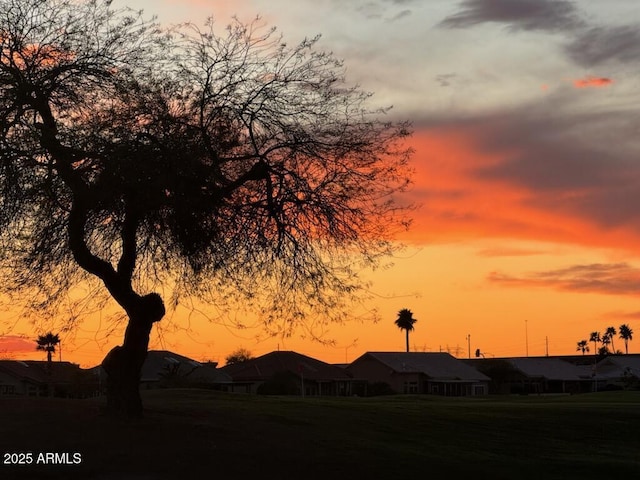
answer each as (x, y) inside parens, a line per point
(405, 322)
(48, 344)
(583, 346)
(595, 338)
(626, 334)
(610, 333)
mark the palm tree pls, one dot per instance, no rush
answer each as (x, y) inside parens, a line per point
(626, 334)
(48, 344)
(583, 346)
(610, 333)
(595, 338)
(405, 322)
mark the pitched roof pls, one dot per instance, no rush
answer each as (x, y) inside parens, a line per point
(265, 366)
(440, 366)
(38, 371)
(615, 366)
(158, 362)
(550, 368)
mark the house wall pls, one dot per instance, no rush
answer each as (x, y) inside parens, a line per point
(373, 371)
(12, 385)
(409, 383)
(456, 389)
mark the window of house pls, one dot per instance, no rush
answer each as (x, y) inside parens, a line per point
(410, 387)
(7, 389)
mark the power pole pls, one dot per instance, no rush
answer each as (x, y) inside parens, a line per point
(526, 336)
(546, 339)
(469, 344)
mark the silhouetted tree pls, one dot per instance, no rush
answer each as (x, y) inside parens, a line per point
(595, 338)
(238, 356)
(405, 322)
(47, 343)
(610, 333)
(626, 334)
(583, 346)
(225, 165)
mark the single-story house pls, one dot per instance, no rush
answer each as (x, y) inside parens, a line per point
(552, 375)
(535, 375)
(420, 372)
(288, 373)
(621, 371)
(41, 378)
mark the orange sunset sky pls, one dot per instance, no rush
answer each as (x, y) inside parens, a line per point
(527, 173)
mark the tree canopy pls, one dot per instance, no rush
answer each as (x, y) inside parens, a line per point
(238, 356)
(187, 157)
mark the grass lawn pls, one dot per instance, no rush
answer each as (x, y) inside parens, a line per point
(192, 434)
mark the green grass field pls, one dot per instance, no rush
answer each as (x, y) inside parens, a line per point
(193, 434)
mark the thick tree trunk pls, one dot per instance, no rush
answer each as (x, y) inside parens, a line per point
(123, 364)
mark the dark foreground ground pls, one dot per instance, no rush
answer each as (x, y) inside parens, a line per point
(193, 434)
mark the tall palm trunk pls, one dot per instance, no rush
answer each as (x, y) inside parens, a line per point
(407, 332)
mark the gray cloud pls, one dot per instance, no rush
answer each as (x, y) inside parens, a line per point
(445, 79)
(599, 45)
(567, 154)
(610, 279)
(589, 44)
(547, 15)
(579, 164)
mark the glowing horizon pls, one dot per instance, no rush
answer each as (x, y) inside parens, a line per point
(528, 196)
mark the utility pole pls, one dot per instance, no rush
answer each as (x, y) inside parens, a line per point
(469, 344)
(546, 340)
(526, 336)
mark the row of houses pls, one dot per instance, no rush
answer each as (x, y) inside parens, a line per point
(291, 373)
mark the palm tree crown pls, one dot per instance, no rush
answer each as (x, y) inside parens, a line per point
(626, 334)
(405, 322)
(610, 333)
(48, 344)
(583, 346)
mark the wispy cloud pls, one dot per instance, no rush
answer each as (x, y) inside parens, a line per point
(508, 252)
(403, 14)
(622, 315)
(590, 82)
(16, 343)
(610, 279)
